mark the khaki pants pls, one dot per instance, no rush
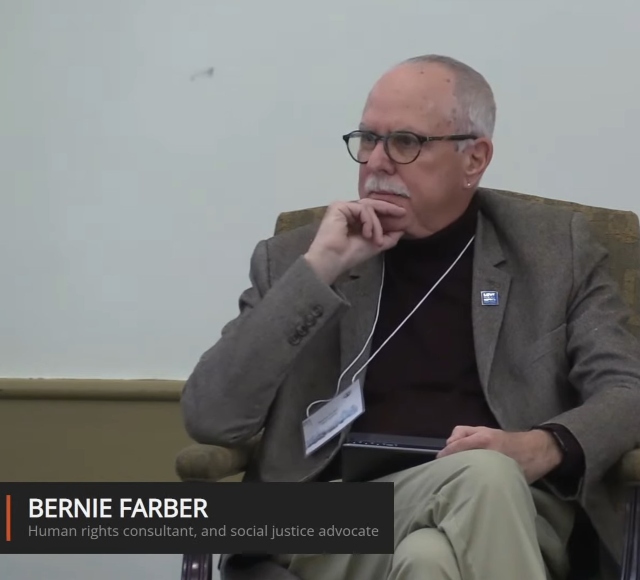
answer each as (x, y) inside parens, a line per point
(468, 516)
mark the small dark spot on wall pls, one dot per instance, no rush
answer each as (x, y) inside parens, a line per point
(205, 73)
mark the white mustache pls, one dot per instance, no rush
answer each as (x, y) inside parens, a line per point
(383, 184)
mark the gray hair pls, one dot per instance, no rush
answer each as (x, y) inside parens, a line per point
(475, 108)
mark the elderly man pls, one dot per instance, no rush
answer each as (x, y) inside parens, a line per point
(460, 314)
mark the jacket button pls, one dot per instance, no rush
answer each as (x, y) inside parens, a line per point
(294, 340)
(301, 330)
(309, 320)
(317, 311)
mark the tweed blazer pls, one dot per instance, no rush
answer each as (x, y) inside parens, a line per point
(555, 349)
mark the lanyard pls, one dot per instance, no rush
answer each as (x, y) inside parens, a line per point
(395, 331)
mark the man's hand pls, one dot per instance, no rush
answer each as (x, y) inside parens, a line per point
(536, 451)
(349, 234)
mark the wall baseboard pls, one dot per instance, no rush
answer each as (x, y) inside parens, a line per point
(90, 429)
(91, 389)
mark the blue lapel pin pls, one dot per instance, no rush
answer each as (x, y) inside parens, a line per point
(490, 298)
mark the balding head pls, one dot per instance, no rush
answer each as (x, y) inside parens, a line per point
(454, 91)
(430, 96)
(425, 92)
(474, 106)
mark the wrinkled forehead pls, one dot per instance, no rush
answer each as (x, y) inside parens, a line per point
(415, 98)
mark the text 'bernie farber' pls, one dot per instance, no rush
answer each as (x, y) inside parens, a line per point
(126, 507)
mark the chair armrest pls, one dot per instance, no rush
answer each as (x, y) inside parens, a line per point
(628, 469)
(212, 463)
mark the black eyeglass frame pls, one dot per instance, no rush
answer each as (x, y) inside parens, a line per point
(422, 139)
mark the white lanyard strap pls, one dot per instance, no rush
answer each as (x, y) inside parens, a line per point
(396, 330)
(408, 315)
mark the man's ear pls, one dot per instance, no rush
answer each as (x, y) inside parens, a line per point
(478, 156)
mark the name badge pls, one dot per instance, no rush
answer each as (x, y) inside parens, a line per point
(325, 423)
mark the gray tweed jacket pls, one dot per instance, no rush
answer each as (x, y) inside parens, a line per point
(558, 335)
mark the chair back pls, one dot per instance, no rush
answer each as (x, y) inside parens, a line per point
(618, 231)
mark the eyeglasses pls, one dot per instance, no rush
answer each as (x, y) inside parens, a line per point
(401, 146)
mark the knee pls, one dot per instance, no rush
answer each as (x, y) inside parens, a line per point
(424, 553)
(489, 469)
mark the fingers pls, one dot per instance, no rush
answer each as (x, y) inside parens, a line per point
(465, 438)
(372, 228)
(354, 207)
(367, 219)
(363, 218)
(473, 441)
(378, 234)
(461, 431)
(366, 215)
(383, 207)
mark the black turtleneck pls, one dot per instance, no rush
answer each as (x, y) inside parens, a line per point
(425, 381)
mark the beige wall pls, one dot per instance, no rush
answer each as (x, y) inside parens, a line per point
(57, 430)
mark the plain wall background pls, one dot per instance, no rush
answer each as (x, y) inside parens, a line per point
(132, 194)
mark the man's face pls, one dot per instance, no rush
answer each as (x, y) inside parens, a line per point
(417, 98)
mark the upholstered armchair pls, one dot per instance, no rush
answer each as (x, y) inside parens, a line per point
(618, 231)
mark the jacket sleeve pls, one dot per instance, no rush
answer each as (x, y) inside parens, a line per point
(604, 359)
(226, 399)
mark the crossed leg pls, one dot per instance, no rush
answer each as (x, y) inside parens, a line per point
(468, 516)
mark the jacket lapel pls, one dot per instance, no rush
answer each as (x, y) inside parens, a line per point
(361, 288)
(487, 277)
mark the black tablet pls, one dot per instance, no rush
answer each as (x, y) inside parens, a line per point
(368, 456)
